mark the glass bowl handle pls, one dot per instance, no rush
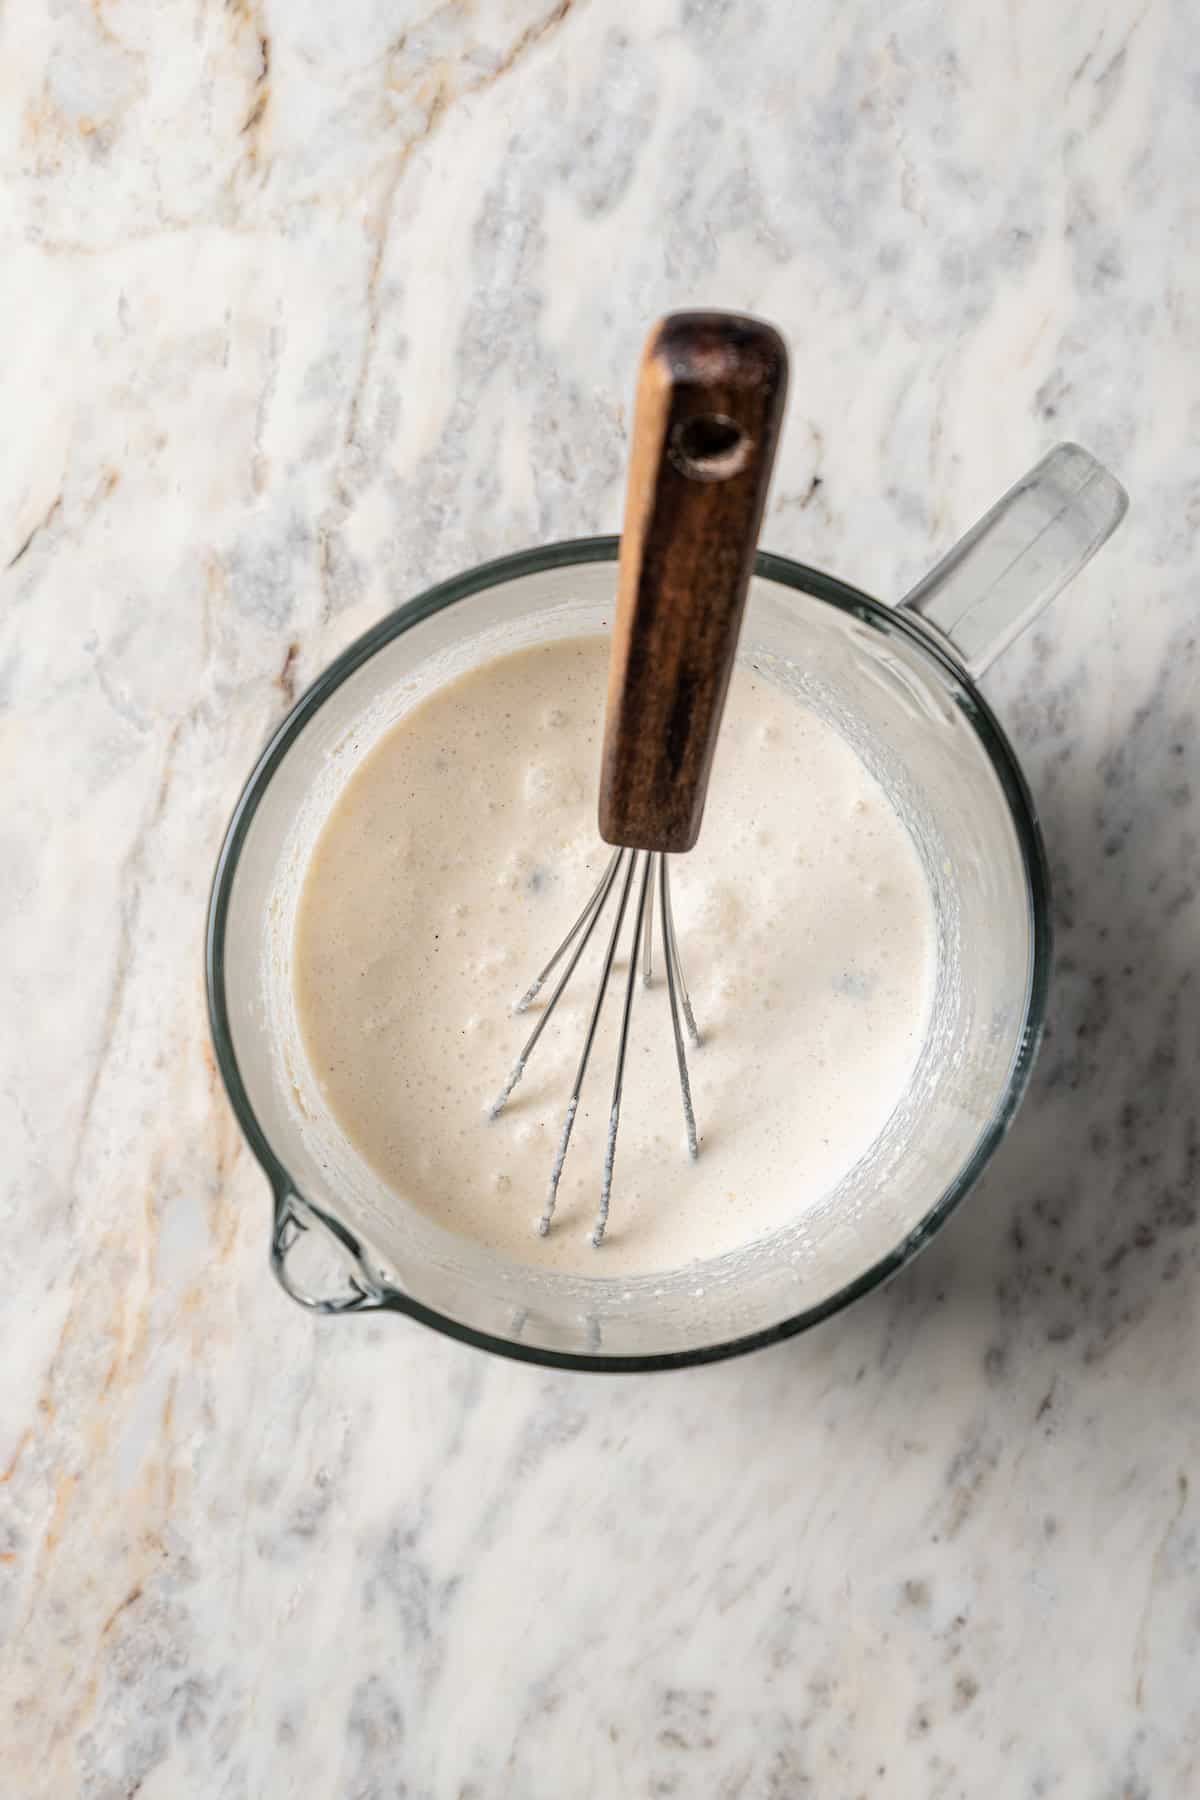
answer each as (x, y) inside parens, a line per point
(1021, 554)
(318, 1262)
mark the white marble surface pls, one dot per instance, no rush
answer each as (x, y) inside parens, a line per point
(301, 308)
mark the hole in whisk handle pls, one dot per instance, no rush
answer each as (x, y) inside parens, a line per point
(709, 447)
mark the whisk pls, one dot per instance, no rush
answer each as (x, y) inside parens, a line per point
(709, 405)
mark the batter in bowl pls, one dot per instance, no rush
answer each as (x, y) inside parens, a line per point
(451, 865)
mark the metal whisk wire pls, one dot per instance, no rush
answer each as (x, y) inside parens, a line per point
(620, 874)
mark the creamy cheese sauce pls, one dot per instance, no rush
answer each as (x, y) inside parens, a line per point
(451, 866)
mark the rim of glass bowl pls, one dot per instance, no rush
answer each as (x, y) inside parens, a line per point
(565, 554)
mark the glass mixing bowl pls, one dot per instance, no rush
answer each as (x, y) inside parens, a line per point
(897, 683)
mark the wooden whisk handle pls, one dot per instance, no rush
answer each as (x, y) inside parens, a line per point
(709, 404)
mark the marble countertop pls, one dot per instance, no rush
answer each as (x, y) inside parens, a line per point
(303, 308)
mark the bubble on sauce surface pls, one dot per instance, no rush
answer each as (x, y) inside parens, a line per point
(492, 962)
(548, 787)
(718, 908)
